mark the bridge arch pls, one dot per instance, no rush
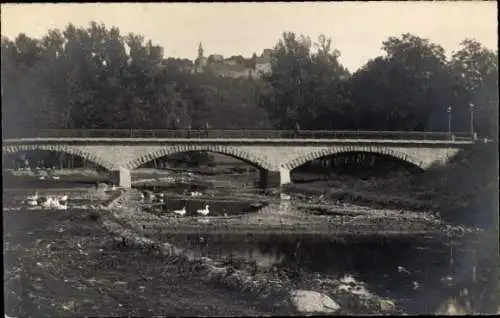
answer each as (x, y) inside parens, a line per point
(75, 151)
(221, 149)
(386, 151)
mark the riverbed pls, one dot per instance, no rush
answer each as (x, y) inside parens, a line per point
(64, 263)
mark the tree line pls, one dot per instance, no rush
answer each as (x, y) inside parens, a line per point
(96, 78)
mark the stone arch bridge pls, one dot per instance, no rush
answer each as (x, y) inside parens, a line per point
(121, 155)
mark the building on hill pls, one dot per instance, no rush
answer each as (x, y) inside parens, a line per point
(235, 66)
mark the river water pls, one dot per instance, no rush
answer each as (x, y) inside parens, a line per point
(419, 273)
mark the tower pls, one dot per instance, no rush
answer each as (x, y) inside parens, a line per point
(200, 51)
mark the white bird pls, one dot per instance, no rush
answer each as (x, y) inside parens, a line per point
(55, 204)
(32, 202)
(63, 198)
(204, 211)
(181, 212)
(113, 188)
(46, 202)
(141, 196)
(401, 269)
(41, 178)
(56, 177)
(60, 206)
(196, 194)
(33, 197)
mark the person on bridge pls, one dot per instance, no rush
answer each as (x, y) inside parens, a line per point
(296, 130)
(207, 127)
(189, 131)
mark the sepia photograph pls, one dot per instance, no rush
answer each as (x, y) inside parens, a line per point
(228, 159)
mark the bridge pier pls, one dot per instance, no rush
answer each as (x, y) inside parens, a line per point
(268, 179)
(285, 176)
(121, 178)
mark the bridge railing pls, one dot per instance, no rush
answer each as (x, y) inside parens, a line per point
(232, 134)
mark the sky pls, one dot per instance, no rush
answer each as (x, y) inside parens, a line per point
(357, 29)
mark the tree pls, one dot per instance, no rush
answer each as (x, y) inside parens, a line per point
(475, 72)
(402, 89)
(306, 87)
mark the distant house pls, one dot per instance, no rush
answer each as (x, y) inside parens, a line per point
(236, 66)
(215, 58)
(156, 52)
(263, 65)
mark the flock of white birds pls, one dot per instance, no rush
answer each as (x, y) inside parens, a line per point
(48, 202)
(61, 202)
(161, 198)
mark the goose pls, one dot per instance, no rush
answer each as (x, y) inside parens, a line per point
(60, 206)
(46, 202)
(204, 211)
(32, 197)
(181, 212)
(54, 203)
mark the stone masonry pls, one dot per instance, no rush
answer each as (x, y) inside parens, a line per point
(120, 156)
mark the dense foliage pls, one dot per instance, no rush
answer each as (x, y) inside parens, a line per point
(97, 78)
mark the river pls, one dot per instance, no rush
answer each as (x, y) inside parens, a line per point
(63, 263)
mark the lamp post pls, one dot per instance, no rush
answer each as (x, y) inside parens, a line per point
(449, 119)
(471, 109)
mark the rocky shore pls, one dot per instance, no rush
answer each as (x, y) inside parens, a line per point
(343, 295)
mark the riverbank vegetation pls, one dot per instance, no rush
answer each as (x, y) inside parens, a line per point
(464, 190)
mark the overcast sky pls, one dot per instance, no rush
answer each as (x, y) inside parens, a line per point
(357, 29)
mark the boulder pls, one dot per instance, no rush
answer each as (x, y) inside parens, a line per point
(306, 301)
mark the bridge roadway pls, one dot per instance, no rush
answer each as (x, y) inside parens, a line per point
(260, 148)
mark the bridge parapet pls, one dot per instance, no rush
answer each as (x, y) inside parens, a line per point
(238, 134)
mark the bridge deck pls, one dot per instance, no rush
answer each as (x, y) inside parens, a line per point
(457, 141)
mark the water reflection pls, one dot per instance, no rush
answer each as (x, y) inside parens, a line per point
(417, 271)
(216, 207)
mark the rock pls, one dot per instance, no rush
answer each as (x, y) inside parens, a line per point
(307, 301)
(386, 305)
